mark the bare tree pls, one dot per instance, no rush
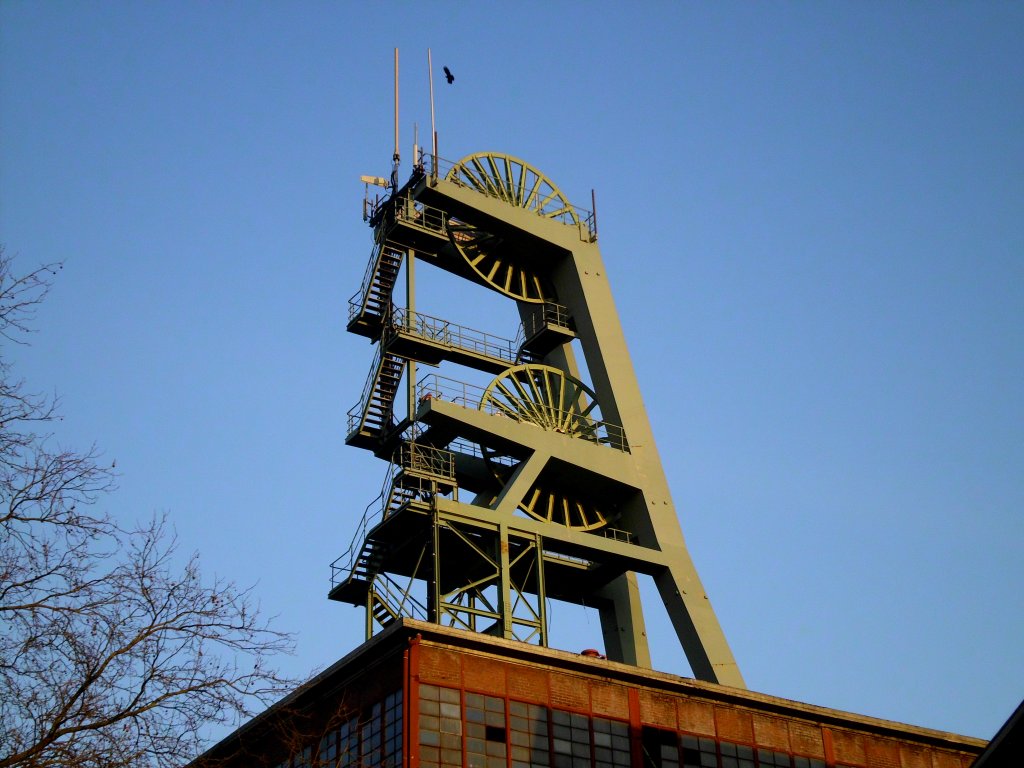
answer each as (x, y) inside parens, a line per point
(113, 649)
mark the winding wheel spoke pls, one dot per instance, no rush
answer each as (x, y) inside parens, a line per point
(511, 180)
(553, 400)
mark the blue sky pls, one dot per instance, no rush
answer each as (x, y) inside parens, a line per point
(812, 215)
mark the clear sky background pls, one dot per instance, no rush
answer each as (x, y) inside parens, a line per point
(811, 214)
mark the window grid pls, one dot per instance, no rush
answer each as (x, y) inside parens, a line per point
(393, 730)
(736, 755)
(570, 740)
(340, 747)
(611, 744)
(766, 758)
(699, 752)
(486, 731)
(440, 727)
(370, 739)
(807, 762)
(529, 735)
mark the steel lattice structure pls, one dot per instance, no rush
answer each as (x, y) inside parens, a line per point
(539, 485)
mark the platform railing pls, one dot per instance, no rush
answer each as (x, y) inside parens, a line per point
(426, 460)
(419, 215)
(436, 387)
(450, 334)
(548, 315)
(465, 447)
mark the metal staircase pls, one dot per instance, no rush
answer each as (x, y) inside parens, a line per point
(383, 613)
(401, 495)
(369, 308)
(372, 420)
(368, 563)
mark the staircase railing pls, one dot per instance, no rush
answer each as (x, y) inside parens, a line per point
(344, 564)
(357, 413)
(398, 599)
(412, 458)
(358, 299)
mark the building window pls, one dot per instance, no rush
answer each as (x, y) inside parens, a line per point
(393, 730)
(440, 727)
(699, 752)
(570, 739)
(611, 744)
(660, 748)
(486, 731)
(529, 735)
(736, 755)
(768, 759)
(807, 762)
(369, 739)
(340, 747)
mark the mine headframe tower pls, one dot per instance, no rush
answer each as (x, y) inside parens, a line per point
(536, 485)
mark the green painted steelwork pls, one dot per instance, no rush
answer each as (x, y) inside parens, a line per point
(569, 498)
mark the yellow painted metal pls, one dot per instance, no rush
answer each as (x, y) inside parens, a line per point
(497, 265)
(518, 184)
(542, 395)
(515, 182)
(551, 399)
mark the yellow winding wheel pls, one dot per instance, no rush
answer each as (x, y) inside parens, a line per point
(553, 400)
(513, 181)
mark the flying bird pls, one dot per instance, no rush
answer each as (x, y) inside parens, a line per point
(449, 76)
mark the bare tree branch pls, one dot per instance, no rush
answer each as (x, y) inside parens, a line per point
(114, 651)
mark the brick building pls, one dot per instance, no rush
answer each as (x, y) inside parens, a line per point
(419, 695)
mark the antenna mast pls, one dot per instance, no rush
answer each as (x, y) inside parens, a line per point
(433, 126)
(395, 159)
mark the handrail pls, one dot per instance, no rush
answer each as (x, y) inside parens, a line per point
(399, 600)
(366, 522)
(465, 447)
(547, 314)
(433, 386)
(617, 534)
(450, 334)
(421, 215)
(359, 297)
(355, 413)
(426, 459)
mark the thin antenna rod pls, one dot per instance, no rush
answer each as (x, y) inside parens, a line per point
(396, 102)
(433, 126)
(395, 158)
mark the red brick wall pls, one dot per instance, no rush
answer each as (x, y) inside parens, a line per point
(606, 698)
